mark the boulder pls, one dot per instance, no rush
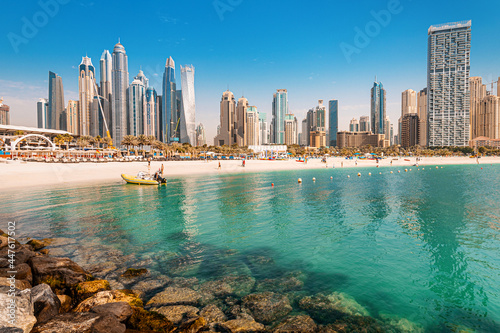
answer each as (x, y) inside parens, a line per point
(109, 296)
(240, 312)
(84, 290)
(23, 272)
(193, 325)
(66, 302)
(133, 272)
(213, 314)
(301, 323)
(175, 296)
(356, 324)
(20, 284)
(320, 308)
(144, 321)
(69, 323)
(242, 326)
(11, 330)
(121, 310)
(24, 314)
(181, 282)
(4, 241)
(108, 324)
(241, 285)
(281, 285)
(23, 254)
(177, 313)
(347, 304)
(59, 273)
(45, 303)
(267, 307)
(38, 244)
(4, 262)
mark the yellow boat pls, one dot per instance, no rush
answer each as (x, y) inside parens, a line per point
(143, 178)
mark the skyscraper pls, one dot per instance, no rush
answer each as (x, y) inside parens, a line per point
(4, 113)
(188, 110)
(354, 125)
(87, 90)
(317, 134)
(280, 108)
(159, 117)
(136, 104)
(364, 124)
(378, 108)
(241, 121)
(141, 77)
(264, 129)
(422, 117)
(252, 133)
(170, 118)
(488, 122)
(409, 130)
(304, 135)
(448, 68)
(408, 102)
(72, 115)
(333, 110)
(42, 109)
(106, 86)
(201, 138)
(477, 94)
(119, 83)
(55, 112)
(149, 119)
(291, 131)
(226, 134)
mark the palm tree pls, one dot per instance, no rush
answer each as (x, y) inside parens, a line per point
(67, 139)
(142, 140)
(59, 140)
(106, 141)
(82, 142)
(98, 140)
(129, 140)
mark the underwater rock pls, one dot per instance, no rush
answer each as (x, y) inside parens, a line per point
(290, 282)
(403, 325)
(326, 309)
(241, 285)
(177, 313)
(360, 324)
(175, 296)
(267, 307)
(148, 287)
(38, 244)
(181, 282)
(147, 321)
(301, 323)
(242, 326)
(213, 314)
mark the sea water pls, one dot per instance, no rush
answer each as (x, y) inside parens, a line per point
(422, 245)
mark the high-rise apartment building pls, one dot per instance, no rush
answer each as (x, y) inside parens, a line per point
(141, 77)
(87, 90)
(409, 130)
(149, 118)
(136, 104)
(120, 84)
(159, 117)
(378, 108)
(488, 118)
(408, 102)
(187, 130)
(201, 138)
(241, 122)
(55, 114)
(448, 69)
(252, 129)
(354, 125)
(106, 89)
(291, 130)
(317, 134)
(42, 113)
(477, 94)
(422, 117)
(226, 134)
(72, 115)
(364, 124)
(263, 128)
(170, 117)
(333, 124)
(280, 108)
(4, 113)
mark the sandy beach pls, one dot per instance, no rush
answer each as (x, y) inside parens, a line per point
(33, 174)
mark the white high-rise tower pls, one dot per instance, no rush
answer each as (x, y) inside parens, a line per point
(119, 83)
(86, 84)
(188, 111)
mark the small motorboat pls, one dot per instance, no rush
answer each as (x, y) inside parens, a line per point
(144, 178)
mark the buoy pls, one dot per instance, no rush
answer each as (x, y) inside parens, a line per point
(369, 173)
(314, 179)
(481, 168)
(406, 170)
(410, 169)
(399, 171)
(272, 184)
(350, 176)
(380, 173)
(437, 167)
(331, 177)
(391, 172)
(299, 180)
(423, 168)
(359, 175)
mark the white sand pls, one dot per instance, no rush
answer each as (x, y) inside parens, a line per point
(33, 174)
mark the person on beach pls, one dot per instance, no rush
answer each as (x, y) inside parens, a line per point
(243, 163)
(219, 166)
(341, 164)
(149, 164)
(161, 170)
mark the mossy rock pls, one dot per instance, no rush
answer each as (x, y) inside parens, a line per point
(110, 296)
(84, 290)
(38, 244)
(133, 299)
(133, 272)
(143, 320)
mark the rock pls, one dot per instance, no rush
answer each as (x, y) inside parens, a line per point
(20, 284)
(183, 265)
(23, 272)
(218, 288)
(193, 325)
(4, 262)
(24, 313)
(84, 290)
(267, 307)
(144, 321)
(241, 285)
(108, 324)
(148, 287)
(213, 314)
(44, 251)
(261, 265)
(59, 273)
(69, 323)
(242, 326)
(23, 254)
(109, 296)
(175, 296)
(177, 313)
(181, 282)
(281, 285)
(355, 324)
(11, 330)
(240, 312)
(38, 244)
(120, 310)
(45, 303)
(133, 272)
(301, 323)
(65, 303)
(403, 325)
(347, 304)
(101, 269)
(4, 241)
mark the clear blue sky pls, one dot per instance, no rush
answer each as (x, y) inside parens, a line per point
(254, 47)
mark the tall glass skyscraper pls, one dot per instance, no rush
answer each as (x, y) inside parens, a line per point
(120, 84)
(378, 108)
(87, 90)
(448, 70)
(168, 132)
(280, 108)
(136, 104)
(105, 68)
(42, 109)
(150, 112)
(333, 111)
(55, 111)
(188, 110)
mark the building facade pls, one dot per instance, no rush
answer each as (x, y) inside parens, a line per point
(120, 84)
(422, 117)
(333, 124)
(201, 138)
(448, 69)
(291, 130)
(187, 130)
(4, 113)
(252, 123)
(226, 134)
(280, 108)
(55, 113)
(263, 128)
(378, 108)
(364, 124)
(409, 130)
(42, 113)
(316, 121)
(241, 122)
(150, 110)
(354, 125)
(87, 90)
(488, 118)
(72, 115)
(361, 139)
(136, 104)
(170, 116)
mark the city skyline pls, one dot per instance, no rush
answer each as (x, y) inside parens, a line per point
(324, 72)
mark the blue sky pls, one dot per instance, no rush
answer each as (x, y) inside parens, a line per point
(252, 47)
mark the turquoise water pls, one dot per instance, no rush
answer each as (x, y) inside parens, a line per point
(422, 245)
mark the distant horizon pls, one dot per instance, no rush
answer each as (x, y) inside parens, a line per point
(283, 52)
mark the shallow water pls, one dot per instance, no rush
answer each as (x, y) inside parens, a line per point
(422, 245)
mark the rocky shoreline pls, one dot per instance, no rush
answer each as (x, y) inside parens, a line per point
(54, 294)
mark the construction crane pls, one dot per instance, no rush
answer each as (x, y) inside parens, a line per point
(103, 117)
(175, 131)
(492, 83)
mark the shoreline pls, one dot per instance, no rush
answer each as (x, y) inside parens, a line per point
(36, 174)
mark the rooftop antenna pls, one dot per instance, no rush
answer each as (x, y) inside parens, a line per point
(375, 78)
